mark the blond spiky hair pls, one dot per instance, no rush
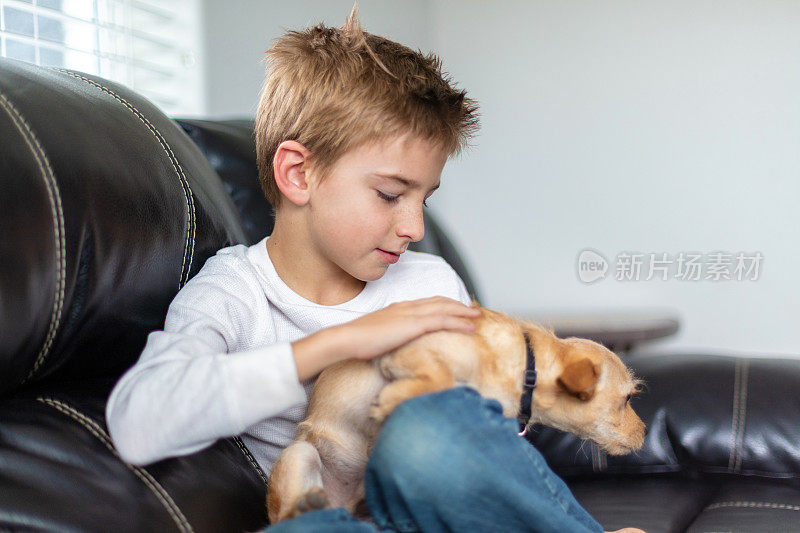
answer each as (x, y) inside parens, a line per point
(334, 89)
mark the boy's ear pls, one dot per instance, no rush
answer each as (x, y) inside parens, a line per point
(289, 166)
(579, 378)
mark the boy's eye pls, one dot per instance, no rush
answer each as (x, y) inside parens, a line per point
(387, 197)
(392, 199)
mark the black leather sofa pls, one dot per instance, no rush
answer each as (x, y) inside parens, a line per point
(107, 208)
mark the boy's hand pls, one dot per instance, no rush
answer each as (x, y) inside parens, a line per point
(380, 332)
(393, 326)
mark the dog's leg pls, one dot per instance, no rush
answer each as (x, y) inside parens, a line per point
(295, 484)
(414, 372)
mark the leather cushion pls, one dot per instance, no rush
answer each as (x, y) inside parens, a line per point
(751, 505)
(107, 209)
(59, 473)
(672, 503)
(230, 147)
(656, 503)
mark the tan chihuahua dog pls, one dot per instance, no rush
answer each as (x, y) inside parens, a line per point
(582, 388)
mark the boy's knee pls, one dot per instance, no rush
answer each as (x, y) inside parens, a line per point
(436, 420)
(425, 442)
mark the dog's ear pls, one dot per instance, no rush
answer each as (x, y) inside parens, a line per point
(579, 378)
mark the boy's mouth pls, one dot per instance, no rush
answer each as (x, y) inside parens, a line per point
(389, 256)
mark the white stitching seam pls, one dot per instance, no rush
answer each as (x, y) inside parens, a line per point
(755, 505)
(250, 458)
(735, 415)
(58, 224)
(187, 190)
(742, 413)
(90, 425)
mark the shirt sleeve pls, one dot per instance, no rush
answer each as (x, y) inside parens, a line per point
(455, 284)
(463, 295)
(189, 388)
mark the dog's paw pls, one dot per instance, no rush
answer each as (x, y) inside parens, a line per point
(378, 412)
(313, 500)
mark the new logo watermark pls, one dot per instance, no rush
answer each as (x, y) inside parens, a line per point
(682, 266)
(592, 266)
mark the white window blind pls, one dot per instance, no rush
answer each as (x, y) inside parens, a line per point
(151, 46)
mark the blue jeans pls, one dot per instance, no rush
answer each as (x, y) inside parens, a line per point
(450, 461)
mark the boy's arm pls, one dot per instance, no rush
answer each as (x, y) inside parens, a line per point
(380, 332)
(186, 391)
(185, 397)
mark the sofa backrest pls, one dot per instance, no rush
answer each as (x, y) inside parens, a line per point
(106, 209)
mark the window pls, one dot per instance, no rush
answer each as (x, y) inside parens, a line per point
(152, 46)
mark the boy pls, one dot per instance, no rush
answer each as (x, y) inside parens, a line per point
(352, 132)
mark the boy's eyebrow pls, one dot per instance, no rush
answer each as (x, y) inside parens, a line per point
(405, 181)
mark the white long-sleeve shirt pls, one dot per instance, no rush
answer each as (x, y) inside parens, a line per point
(223, 364)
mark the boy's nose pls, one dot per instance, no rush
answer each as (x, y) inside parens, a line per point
(411, 224)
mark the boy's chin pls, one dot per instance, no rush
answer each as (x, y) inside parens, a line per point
(370, 274)
(374, 276)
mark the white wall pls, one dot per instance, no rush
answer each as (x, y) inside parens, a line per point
(616, 125)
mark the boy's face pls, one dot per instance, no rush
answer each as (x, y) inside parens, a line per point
(361, 211)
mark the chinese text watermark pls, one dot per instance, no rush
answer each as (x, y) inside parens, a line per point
(681, 266)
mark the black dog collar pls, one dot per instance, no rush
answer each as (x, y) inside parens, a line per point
(528, 384)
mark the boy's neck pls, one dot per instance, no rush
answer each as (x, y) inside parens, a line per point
(304, 271)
